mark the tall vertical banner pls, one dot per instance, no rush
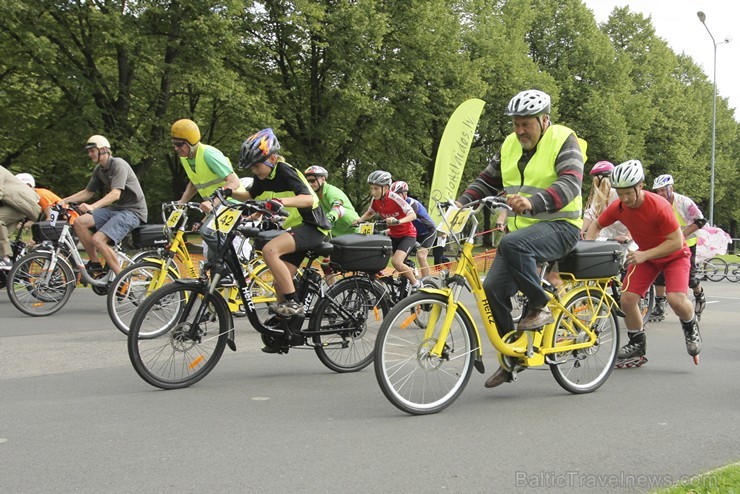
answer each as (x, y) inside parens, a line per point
(453, 153)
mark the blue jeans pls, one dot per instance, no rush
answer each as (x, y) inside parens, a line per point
(515, 266)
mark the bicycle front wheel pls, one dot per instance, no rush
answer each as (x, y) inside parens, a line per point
(413, 379)
(178, 335)
(131, 287)
(584, 370)
(38, 289)
(345, 324)
(733, 272)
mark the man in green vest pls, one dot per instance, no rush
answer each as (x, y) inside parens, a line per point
(207, 169)
(540, 167)
(690, 218)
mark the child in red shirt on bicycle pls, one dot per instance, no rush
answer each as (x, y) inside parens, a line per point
(398, 215)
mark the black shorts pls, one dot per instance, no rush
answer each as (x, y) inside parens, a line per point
(405, 244)
(306, 238)
(427, 239)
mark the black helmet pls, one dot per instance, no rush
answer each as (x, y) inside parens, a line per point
(258, 148)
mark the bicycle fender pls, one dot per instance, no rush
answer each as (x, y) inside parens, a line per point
(445, 292)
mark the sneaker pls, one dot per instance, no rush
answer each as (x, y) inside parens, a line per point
(499, 377)
(536, 319)
(289, 308)
(95, 269)
(227, 280)
(658, 313)
(6, 264)
(417, 287)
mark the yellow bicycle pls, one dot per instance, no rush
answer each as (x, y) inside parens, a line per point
(423, 370)
(139, 280)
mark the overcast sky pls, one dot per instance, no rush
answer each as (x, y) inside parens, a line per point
(676, 22)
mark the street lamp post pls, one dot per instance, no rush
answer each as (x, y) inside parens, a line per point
(703, 18)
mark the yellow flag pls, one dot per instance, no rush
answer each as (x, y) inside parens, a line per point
(453, 153)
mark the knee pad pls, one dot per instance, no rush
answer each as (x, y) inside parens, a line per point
(693, 281)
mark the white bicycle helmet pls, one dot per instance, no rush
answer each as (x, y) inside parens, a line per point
(627, 174)
(663, 181)
(399, 187)
(27, 179)
(379, 177)
(529, 103)
(316, 171)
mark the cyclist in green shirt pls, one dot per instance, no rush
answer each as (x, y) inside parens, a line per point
(207, 169)
(335, 203)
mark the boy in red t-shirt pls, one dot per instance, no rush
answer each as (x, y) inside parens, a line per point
(398, 215)
(653, 225)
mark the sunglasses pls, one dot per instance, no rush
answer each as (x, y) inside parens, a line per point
(312, 180)
(179, 144)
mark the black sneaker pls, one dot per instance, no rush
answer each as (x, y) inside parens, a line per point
(6, 264)
(96, 270)
(227, 281)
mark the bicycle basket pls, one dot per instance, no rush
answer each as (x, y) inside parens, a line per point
(593, 259)
(356, 252)
(149, 236)
(43, 230)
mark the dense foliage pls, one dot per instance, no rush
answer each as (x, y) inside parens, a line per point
(353, 85)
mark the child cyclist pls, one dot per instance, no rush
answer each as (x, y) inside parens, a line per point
(426, 230)
(281, 185)
(399, 217)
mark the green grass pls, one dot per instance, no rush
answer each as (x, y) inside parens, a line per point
(725, 480)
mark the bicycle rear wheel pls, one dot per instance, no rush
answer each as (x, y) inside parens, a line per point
(37, 289)
(347, 321)
(409, 376)
(167, 346)
(715, 269)
(131, 287)
(647, 303)
(584, 370)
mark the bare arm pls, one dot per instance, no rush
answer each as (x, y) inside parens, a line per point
(593, 230)
(80, 196)
(189, 192)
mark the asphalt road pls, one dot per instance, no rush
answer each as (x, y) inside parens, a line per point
(75, 417)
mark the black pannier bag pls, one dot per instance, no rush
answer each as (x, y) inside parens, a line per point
(355, 252)
(149, 236)
(42, 230)
(593, 259)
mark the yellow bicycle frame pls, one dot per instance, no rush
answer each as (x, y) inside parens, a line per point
(528, 347)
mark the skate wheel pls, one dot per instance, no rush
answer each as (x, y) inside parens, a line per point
(696, 360)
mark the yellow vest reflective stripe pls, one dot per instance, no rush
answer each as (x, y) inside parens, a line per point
(204, 180)
(538, 175)
(691, 239)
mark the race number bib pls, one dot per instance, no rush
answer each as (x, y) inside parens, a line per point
(227, 219)
(454, 220)
(174, 218)
(366, 228)
(53, 215)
